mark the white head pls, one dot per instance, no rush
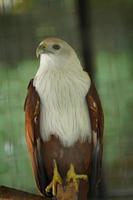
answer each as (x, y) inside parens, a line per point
(57, 54)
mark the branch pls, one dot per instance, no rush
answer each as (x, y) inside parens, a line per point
(62, 193)
(14, 194)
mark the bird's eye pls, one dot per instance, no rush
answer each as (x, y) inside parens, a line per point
(56, 46)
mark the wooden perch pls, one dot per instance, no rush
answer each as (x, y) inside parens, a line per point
(66, 193)
(13, 194)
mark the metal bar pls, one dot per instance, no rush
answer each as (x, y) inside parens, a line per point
(84, 17)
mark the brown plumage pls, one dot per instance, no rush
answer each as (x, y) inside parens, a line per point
(86, 156)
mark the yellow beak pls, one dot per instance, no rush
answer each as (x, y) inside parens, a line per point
(41, 49)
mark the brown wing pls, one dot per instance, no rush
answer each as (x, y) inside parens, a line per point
(97, 124)
(33, 139)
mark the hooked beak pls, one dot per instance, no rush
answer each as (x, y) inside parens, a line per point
(40, 50)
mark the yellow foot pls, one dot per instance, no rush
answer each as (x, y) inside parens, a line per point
(56, 180)
(72, 176)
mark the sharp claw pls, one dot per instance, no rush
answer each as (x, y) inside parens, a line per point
(71, 175)
(56, 180)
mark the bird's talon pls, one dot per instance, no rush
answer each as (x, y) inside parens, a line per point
(72, 176)
(56, 180)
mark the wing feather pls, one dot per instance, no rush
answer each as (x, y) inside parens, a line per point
(33, 138)
(97, 124)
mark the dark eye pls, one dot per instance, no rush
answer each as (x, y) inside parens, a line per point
(56, 46)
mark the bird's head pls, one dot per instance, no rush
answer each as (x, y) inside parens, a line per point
(56, 51)
(54, 46)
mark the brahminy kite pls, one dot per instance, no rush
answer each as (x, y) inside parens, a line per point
(64, 121)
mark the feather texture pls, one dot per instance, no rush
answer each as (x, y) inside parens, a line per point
(62, 90)
(64, 118)
(33, 139)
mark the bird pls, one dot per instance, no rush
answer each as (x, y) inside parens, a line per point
(64, 121)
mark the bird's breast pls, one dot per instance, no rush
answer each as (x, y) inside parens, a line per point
(64, 110)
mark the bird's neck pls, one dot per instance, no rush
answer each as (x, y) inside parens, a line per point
(57, 70)
(62, 92)
(50, 63)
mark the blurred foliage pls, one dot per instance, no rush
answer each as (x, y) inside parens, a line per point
(15, 169)
(24, 6)
(22, 30)
(115, 83)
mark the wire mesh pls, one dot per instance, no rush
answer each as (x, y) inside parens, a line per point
(23, 24)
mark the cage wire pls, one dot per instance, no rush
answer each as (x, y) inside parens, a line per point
(101, 35)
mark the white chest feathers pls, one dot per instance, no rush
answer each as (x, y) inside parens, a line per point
(64, 110)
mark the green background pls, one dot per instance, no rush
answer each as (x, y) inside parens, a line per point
(23, 24)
